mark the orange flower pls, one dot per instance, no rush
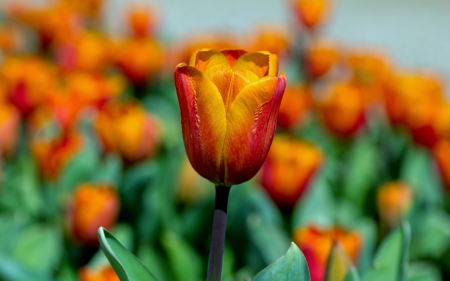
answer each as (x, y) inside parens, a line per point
(311, 13)
(139, 58)
(288, 168)
(93, 206)
(229, 103)
(10, 38)
(441, 153)
(295, 106)
(53, 155)
(142, 21)
(106, 273)
(316, 244)
(394, 201)
(125, 128)
(27, 80)
(273, 40)
(343, 111)
(9, 128)
(320, 58)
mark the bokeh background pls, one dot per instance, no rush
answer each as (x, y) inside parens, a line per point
(90, 136)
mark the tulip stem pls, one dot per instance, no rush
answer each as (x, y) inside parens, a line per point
(218, 234)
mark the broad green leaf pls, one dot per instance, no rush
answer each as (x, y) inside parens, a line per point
(185, 262)
(421, 271)
(125, 264)
(339, 266)
(291, 266)
(391, 258)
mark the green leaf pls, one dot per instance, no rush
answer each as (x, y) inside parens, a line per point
(421, 271)
(125, 264)
(15, 271)
(291, 266)
(185, 262)
(339, 266)
(391, 258)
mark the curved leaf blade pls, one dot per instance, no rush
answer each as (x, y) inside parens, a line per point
(125, 264)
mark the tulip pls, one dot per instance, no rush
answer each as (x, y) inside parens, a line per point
(316, 244)
(320, 58)
(343, 111)
(441, 154)
(126, 129)
(229, 103)
(93, 206)
(394, 201)
(288, 169)
(52, 155)
(142, 21)
(311, 13)
(295, 106)
(274, 40)
(106, 273)
(9, 128)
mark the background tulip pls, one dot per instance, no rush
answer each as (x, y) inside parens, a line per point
(9, 128)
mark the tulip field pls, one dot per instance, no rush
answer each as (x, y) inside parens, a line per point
(138, 157)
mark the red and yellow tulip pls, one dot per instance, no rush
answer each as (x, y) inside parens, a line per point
(93, 206)
(229, 103)
(394, 201)
(288, 169)
(316, 244)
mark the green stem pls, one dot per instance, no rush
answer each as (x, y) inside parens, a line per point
(218, 234)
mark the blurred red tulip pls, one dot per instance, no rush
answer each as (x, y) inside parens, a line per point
(93, 206)
(288, 169)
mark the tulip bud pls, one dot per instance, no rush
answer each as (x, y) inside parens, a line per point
(93, 206)
(441, 154)
(141, 21)
(229, 103)
(316, 244)
(343, 111)
(295, 106)
(320, 58)
(106, 273)
(288, 169)
(394, 201)
(274, 40)
(125, 128)
(311, 13)
(9, 128)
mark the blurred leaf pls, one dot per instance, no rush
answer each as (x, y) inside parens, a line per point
(430, 235)
(390, 261)
(291, 266)
(368, 228)
(420, 271)
(67, 272)
(155, 262)
(361, 172)
(39, 247)
(125, 264)
(339, 266)
(185, 262)
(228, 262)
(15, 271)
(418, 169)
(109, 170)
(271, 240)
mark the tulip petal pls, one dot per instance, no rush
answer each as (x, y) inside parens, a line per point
(233, 55)
(229, 82)
(251, 123)
(203, 120)
(261, 63)
(205, 58)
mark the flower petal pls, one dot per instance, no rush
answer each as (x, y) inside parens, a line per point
(233, 55)
(205, 58)
(261, 63)
(251, 123)
(203, 121)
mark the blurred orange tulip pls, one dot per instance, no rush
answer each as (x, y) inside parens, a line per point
(295, 106)
(273, 40)
(229, 103)
(343, 110)
(441, 153)
(142, 21)
(93, 206)
(106, 273)
(9, 128)
(27, 81)
(311, 13)
(394, 200)
(191, 187)
(316, 244)
(126, 129)
(52, 155)
(320, 58)
(139, 59)
(288, 169)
